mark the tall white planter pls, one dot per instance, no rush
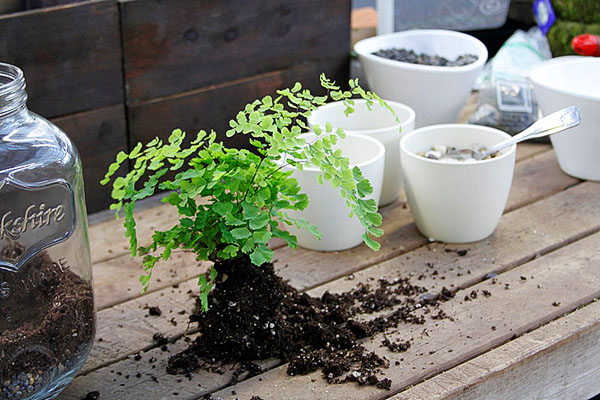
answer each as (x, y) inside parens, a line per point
(437, 94)
(573, 81)
(327, 210)
(378, 123)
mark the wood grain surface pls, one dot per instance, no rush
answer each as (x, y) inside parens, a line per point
(548, 235)
(71, 56)
(212, 107)
(561, 349)
(180, 45)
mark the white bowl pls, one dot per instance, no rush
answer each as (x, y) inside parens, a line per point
(456, 202)
(327, 209)
(573, 81)
(378, 123)
(437, 94)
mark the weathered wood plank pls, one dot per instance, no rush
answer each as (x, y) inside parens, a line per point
(479, 325)
(71, 55)
(107, 238)
(559, 218)
(11, 6)
(526, 149)
(33, 4)
(98, 135)
(540, 173)
(109, 291)
(180, 45)
(559, 361)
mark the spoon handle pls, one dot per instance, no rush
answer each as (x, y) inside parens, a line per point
(556, 122)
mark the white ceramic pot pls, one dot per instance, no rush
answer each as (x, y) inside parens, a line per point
(378, 123)
(437, 94)
(573, 81)
(327, 210)
(456, 202)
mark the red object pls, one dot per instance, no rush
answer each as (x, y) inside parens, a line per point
(586, 45)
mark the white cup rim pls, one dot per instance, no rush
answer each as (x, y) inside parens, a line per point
(482, 54)
(379, 156)
(405, 138)
(394, 104)
(533, 75)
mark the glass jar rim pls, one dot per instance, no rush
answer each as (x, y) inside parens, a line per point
(12, 89)
(11, 79)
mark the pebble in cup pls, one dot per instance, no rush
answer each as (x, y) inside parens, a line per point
(456, 202)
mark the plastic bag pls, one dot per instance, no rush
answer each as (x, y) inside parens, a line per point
(506, 99)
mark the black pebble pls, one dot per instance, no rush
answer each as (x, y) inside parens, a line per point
(410, 56)
(95, 395)
(154, 311)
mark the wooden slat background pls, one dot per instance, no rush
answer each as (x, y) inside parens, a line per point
(213, 107)
(71, 56)
(179, 45)
(114, 72)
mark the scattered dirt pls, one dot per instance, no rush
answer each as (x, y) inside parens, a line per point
(46, 323)
(255, 315)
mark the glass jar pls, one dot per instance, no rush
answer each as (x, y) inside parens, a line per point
(47, 315)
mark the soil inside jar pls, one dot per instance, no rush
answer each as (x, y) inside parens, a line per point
(255, 315)
(46, 323)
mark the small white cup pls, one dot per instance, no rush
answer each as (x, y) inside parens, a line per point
(573, 81)
(327, 209)
(456, 202)
(378, 123)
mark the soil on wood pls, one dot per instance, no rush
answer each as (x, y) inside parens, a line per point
(255, 315)
(46, 323)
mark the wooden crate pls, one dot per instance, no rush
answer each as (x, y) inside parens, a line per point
(114, 72)
(71, 57)
(213, 107)
(194, 64)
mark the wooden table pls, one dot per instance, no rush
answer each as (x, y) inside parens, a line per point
(540, 338)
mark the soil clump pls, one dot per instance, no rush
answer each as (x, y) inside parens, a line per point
(255, 315)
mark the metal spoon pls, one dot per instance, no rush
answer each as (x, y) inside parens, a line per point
(556, 122)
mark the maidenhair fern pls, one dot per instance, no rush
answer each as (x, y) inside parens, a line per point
(233, 201)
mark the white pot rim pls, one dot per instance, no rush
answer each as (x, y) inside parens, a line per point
(378, 157)
(361, 49)
(507, 152)
(534, 75)
(393, 104)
